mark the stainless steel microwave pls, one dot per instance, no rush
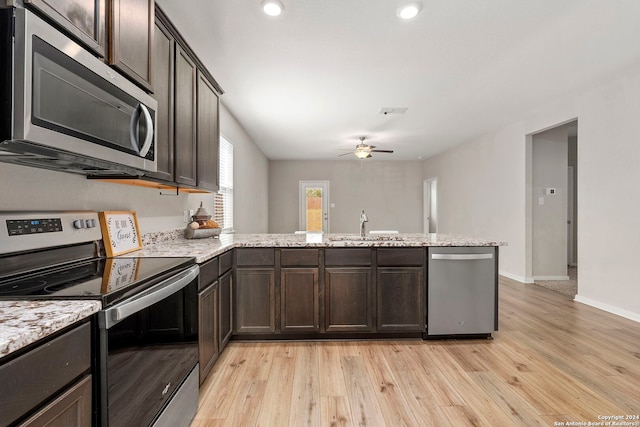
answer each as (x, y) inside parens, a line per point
(63, 108)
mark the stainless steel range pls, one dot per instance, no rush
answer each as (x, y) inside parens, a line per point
(146, 337)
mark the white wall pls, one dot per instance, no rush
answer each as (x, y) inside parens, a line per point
(250, 178)
(389, 191)
(26, 188)
(549, 232)
(481, 192)
(483, 189)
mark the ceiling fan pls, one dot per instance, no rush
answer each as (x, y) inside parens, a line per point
(363, 151)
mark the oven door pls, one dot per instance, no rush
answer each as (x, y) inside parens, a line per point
(148, 348)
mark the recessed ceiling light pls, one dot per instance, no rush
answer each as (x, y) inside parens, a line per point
(272, 7)
(409, 10)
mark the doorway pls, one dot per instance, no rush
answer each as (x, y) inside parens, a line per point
(552, 235)
(430, 205)
(313, 206)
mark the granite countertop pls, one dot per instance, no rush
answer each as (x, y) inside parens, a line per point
(25, 322)
(205, 249)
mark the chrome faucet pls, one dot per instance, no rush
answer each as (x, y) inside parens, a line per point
(363, 219)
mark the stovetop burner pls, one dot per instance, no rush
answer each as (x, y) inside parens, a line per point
(56, 254)
(106, 279)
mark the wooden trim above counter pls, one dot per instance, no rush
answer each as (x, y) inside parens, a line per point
(140, 182)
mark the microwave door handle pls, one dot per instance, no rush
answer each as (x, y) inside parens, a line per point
(148, 139)
(133, 126)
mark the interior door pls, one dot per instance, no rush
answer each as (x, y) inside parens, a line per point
(314, 202)
(430, 205)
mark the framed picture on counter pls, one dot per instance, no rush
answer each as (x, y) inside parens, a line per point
(120, 232)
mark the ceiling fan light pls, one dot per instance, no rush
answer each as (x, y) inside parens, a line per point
(362, 154)
(272, 7)
(409, 10)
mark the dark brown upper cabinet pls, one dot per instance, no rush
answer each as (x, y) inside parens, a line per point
(185, 119)
(208, 135)
(187, 124)
(163, 91)
(130, 26)
(82, 19)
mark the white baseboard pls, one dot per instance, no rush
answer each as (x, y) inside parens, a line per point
(610, 308)
(550, 278)
(520, 279)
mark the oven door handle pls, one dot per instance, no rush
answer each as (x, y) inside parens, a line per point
(145, 299)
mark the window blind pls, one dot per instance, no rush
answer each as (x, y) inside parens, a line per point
(223, 201)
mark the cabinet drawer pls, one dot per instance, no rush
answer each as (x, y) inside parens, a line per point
(208, 273)
(253, 256)
(225, 262)
(299, 257)
(391, 257)
(348, 256)
(32, 378)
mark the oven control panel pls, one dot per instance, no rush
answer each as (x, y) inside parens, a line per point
(17, 227)
(22, 231)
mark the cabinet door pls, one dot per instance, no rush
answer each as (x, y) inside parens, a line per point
(225, 312)
(83, 19)
(71, 409)
(254, 292)
(131, 38)
(207, 135)
(401, 300)
(163, 74)
(208, 349)
(348, 299)
(299, 300)
(185, 118)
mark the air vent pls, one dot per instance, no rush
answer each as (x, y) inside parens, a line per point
(392, 110)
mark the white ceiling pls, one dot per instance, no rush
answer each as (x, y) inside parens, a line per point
(311, 81)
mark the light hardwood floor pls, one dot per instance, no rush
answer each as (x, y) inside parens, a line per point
(552, 361)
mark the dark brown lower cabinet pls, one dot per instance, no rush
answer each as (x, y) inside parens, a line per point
(349, 300)
(400, 299)
(254, 295)
(299, 300)
(208, 345)
(71, 409)
(225, 313)
(54, 377)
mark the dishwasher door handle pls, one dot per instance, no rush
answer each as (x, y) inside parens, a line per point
(461, 257)
(151, 296)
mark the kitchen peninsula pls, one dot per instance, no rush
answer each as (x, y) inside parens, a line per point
(294, 286)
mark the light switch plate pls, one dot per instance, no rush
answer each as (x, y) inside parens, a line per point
(541, 200)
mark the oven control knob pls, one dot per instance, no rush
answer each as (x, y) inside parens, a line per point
(90, 223)
(78, 223)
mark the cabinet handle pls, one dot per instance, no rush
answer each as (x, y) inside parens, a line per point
(461, 257)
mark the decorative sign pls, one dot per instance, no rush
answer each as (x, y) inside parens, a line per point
(120, 232)
(119, 273)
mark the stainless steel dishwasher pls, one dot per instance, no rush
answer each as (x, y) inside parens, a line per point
(462, 294)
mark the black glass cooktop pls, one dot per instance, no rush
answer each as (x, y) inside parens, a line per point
(106, 279)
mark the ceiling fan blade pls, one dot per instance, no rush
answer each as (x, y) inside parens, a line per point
(345, 154)
(371, 147)
(382, 151)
